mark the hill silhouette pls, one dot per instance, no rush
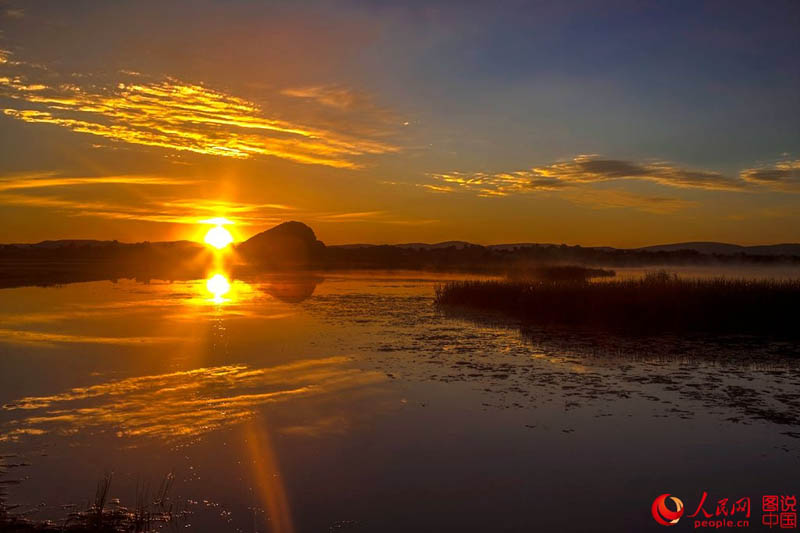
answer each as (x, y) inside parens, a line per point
(727, 249)
(290, 244)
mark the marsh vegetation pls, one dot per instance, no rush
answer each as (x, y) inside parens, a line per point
(658, 301)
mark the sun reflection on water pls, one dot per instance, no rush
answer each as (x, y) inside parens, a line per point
(218, 285)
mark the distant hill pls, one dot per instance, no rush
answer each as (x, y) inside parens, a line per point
(518, 245)
(712, 248)
(70, 261)
(299, 234)
(727, 249)
(89, 243)
(412, 245)
(458, 245)
(68, 242)
(460, 255)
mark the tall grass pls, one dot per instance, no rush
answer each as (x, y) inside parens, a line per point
(657, 302)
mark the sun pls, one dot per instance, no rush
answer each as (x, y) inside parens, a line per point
(218, 237)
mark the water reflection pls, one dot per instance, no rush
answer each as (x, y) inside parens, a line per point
(186, 403)
(287, 288)
(258, 419)
(267, 478)
(218, 285)
(292, 288)
(13, 336)
(115, 314)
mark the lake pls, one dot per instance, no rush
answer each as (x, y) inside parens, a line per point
(348, 402)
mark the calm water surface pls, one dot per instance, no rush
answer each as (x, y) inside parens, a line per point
(348, 402)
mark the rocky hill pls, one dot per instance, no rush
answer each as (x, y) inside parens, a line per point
(290, 244)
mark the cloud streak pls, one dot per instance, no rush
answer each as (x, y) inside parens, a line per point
(184, 117)
(780, 176)
(45, 192)
(583, 170)
(52, 180)
(332, 96)
(188, 211)
(577, 180)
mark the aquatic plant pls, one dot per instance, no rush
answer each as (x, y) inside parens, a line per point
(659, 301)
(100, 517)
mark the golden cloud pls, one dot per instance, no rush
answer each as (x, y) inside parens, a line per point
(437, 188)
(184, 117)
(189, 211)
(49, 190)
(51, 179)
(34, 190)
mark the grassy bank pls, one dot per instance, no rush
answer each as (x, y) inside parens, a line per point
(658, 302)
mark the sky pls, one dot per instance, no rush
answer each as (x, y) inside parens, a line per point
(620, 123)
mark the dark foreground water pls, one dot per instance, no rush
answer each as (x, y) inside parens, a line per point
(349, 403)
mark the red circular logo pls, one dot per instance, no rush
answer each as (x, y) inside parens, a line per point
(663, 514)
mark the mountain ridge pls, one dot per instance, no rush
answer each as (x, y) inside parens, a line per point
(707, 247)
(704, 247)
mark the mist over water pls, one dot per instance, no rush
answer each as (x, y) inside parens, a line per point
(347, 401)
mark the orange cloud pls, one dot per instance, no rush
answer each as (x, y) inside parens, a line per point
(190, 211)
(184, 117)
(51, 180)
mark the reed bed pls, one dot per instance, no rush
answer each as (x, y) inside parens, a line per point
(655, 303)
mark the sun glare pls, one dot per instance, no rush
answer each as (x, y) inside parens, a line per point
(218, 237)
(218, 285)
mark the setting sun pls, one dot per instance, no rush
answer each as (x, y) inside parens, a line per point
(218, 237)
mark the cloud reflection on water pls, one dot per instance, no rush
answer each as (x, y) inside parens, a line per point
(185, 403)
(41, 337)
